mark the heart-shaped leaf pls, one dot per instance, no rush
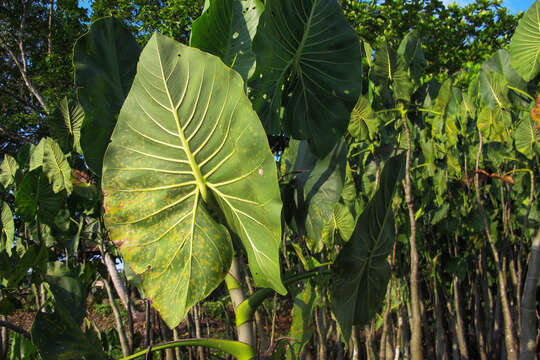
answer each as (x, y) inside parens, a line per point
(527, 137)
(411, 50)
(35, 197)
(65, 125)
(188, 146)
(525, 44)
(389, 67)
(364, 123)
(226, 29)
(56, 166)
(361, 271)
(309, 70)
(8, 169)
(494, 90)
(7, 228)
(492, 124)
(105, 60)
(302, 327)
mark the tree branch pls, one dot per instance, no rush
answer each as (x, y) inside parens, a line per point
(15, 328)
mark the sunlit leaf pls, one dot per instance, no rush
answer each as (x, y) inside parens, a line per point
(525, 44)
(492, 124)
(7, 228)
(391, 68)
(56, 167)
(187, 142)
(364, 122)
(8, 169)
(527, 137)
(309, 70)
(302, 325)
(65, 125)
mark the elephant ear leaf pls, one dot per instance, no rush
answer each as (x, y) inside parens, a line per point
(105, 61)
(188, 146)
(309, 67)
(361, 271)
(525, 44)
(226, 29)
(65, 125)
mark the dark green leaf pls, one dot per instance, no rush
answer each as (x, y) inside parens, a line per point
(226, 29)
(105, 61)
(65, 125)
(361, 271)
(309, 69)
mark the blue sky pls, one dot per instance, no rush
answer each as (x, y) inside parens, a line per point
(513, 5)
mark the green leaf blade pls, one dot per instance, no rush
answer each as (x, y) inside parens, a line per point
(525, 44)
(105, 60)
(186, 143)
(309, 68)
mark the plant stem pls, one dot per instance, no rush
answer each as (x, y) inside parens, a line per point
(118, 319)
(416, 322)
(244, 326)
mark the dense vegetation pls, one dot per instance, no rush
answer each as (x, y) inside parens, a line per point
(364, 173)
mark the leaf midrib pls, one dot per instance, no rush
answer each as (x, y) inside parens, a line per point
(199, 179)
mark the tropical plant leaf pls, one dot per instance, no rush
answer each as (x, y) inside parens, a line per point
(389, 67)
(35, 197)
(360, 270)
(309, 70)
(65, 125)
(105, 61)
(8, 169)
(494, 90)
(36, 155)
(342, 223)
(7, 229)
(69, 341)
(500, 62)
(364, 123)
(492, 124)
(318, 189)
(302, 326)
(226, 30)
(527, 137)
(187, 142)
(411, 50)
(525, 44)
(56, 166)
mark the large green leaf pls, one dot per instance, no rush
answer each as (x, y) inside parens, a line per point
(527, 137)
(492, 124)
(7, 228)
(56, 166)
(525, 44)
(319, 184)
(411, 50)
(105, 61)
(65, 125)
(361, 271)
(187, 142)
(36, 155)
(35, 197)
(364, 122)
(309, 70)
(342, 223)
(494, 90)
(226, 29)
(8, 169)
(390, 67)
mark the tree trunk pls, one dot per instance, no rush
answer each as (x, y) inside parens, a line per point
(416, 321)
(479, 323)
(385, 346)
(528, 303)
